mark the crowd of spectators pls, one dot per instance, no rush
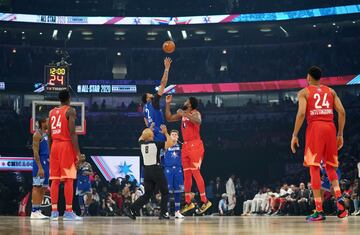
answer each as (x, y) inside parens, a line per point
(191, 65)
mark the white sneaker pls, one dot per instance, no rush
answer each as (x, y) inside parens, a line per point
(178, 215)
(38, 215)
(357, 213)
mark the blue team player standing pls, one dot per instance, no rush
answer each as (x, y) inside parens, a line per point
(83, 186)
(174, 172)
(152, 111)
(40, 169)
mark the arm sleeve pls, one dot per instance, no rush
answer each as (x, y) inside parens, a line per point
(156, 101)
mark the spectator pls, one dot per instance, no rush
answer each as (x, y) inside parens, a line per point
(231, 194)
(97, 184)
(223, 205)
(219, 189)
(302, 198)
(356, 197)
(94, 206)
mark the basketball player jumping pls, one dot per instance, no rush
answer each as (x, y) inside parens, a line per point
(316, 103)
(192, 150)
(40, 169)
(64, 154)
(152, 111)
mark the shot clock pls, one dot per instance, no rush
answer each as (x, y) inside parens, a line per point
(56, 78)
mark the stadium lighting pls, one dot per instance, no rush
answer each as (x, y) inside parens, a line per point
(14, 50)
(232, 31)
(207, 39)
(69, 34)
(152, 33)
(329, 45)
(87, 33)
(55, 32)
(265, 30)
(224, 51)
(314, 25)
(285, 32)
(5, 31)
(119, 33)
(41, 33)
(119, 53)
(169, 34)
(334, 23)
(200, 32)
(184, 34)
(354, 22)
(150, 38)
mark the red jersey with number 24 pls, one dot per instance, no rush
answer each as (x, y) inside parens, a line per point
(190, 131)
(320, 104)
(59, 124)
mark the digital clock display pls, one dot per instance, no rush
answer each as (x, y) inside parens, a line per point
(56, 78)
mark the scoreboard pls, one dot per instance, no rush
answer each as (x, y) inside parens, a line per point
(56, 78)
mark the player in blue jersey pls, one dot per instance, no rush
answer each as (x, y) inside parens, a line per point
(83, 186)
(152, 111)
(40, 168)
(173, 171)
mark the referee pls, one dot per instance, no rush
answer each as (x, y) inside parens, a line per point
(154, 177)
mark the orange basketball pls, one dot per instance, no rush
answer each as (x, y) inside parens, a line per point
(168, 47)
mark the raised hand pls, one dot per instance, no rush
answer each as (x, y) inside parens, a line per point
(168, 98)
(167, 62)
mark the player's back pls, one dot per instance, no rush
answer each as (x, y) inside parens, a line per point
(59, 124)
(190, 131)
(320, 104)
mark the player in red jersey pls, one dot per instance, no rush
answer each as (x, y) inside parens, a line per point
(192, 150)
(64, 154)
(316, 103)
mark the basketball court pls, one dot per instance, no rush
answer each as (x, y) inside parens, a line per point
(195, 225)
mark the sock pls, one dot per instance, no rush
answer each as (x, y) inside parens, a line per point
(187, 185)
(81, 204)
(177, 198)
(54, 194)
(69, 191)
(200, 184)
(86, 209)
(35, 207)
(318, 205)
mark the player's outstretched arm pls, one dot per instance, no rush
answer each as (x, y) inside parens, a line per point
(170, 117)
(300, 117)
(169, 142)
(74, 138)
(341, 119)
(164, 79)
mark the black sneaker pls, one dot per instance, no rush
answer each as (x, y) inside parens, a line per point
(129, 213)
(164, 216)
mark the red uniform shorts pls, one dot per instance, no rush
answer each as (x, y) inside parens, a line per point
(192, 154)
(62, 160)
(321, 144)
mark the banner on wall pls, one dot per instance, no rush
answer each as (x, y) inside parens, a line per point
(16, 163)
(118, 166)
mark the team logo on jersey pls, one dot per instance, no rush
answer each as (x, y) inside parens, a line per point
(57, 111)
(319, 89)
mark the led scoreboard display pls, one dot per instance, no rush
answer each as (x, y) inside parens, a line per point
(56, 78)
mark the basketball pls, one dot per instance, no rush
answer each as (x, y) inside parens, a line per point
(168, 47)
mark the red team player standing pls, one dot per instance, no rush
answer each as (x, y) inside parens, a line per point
(192, 150)
(316, 103)
(64, 154)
